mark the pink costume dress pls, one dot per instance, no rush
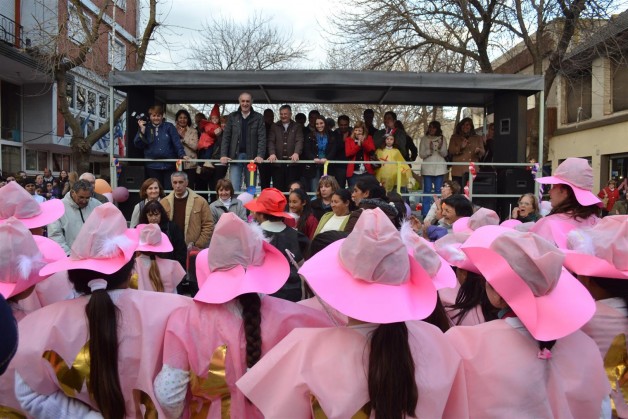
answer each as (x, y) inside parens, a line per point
(170, 271)
(322, 373)
(556, 233)
(52, 360)
(55, 288)
(448, 298)
(506, 379)
(609, 327)
(205, 353)
(336, 317)
(50, 290)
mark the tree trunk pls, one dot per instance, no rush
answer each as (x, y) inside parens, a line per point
(81, 150)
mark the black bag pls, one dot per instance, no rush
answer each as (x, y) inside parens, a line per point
(373, 158)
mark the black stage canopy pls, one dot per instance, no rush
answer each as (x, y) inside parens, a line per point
(328, 86)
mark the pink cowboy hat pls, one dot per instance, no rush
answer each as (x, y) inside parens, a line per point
(601, 250)
(576, 173)
(423, 251)
(23, 255)
(16, 202)
(526, 271)
(151, 239)
(482, 217)
(449, 247)
(238, 261)
(371, 275)
(104, 244)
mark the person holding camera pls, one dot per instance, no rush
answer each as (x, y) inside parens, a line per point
(159, 140)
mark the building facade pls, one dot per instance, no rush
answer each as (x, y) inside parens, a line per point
(34, 134)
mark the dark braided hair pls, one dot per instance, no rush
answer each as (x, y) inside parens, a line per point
(252, 319)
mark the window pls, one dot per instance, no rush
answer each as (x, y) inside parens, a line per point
(121, 4)
(578, 93)
(103, 107)
(620, 85)
(69, 93)
(75, 30)
(81, 97)
(36, 160)
(11, 158)
(119, 53)
(60, 162)
(10, 115)
(91, 102)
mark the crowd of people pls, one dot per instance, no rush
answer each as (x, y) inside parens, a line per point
(345, 304)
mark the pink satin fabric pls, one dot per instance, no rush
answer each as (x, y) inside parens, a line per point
(609, 321)
(558, 236)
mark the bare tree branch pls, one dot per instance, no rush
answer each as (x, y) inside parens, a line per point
(254, 45)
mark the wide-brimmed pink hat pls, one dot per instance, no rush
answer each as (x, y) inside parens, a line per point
(371, 275)
(23, 255)
(151, 239)
(601, 250)
(448, 246)
(434, 265)
(527, 272)
(16, 202)
(238, 261)
(480, 218)
(104, 244)
(576, 173)
(270, 201)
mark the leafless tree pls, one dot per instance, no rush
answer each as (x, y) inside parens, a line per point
(478, 31)
(72, 47)
(256, 44)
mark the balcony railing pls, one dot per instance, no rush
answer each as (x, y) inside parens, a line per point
(10, 31)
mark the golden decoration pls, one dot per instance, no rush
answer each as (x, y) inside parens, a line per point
(318, 413)
(214, 385)
(70, 379)
(616, 366)
(140, 398)
(10, 413)
(133, 283)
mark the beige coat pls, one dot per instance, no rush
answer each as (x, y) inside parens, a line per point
(464, 154)
(190, 143)
(199, 224)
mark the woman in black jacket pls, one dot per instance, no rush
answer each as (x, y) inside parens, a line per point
(320, 146)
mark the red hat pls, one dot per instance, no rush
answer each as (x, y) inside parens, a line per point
(270, 201)
(215, 111)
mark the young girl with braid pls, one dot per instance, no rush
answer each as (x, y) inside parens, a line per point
(384, 363)
(153, 272)
(96, 355)
(231, 326)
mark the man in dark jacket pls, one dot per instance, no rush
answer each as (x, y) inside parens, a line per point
(244, 138)
(285, 142)
(159, 140)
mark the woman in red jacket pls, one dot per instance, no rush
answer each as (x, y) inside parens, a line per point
(611, 195)
(359, 147)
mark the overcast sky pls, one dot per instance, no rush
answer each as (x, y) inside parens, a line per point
(183, 18)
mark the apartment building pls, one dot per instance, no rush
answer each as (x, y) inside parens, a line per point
(587, 106)
(33, 132)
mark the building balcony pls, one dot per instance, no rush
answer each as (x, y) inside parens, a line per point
(10, 31)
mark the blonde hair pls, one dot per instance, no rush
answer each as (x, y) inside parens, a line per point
(154, 275)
